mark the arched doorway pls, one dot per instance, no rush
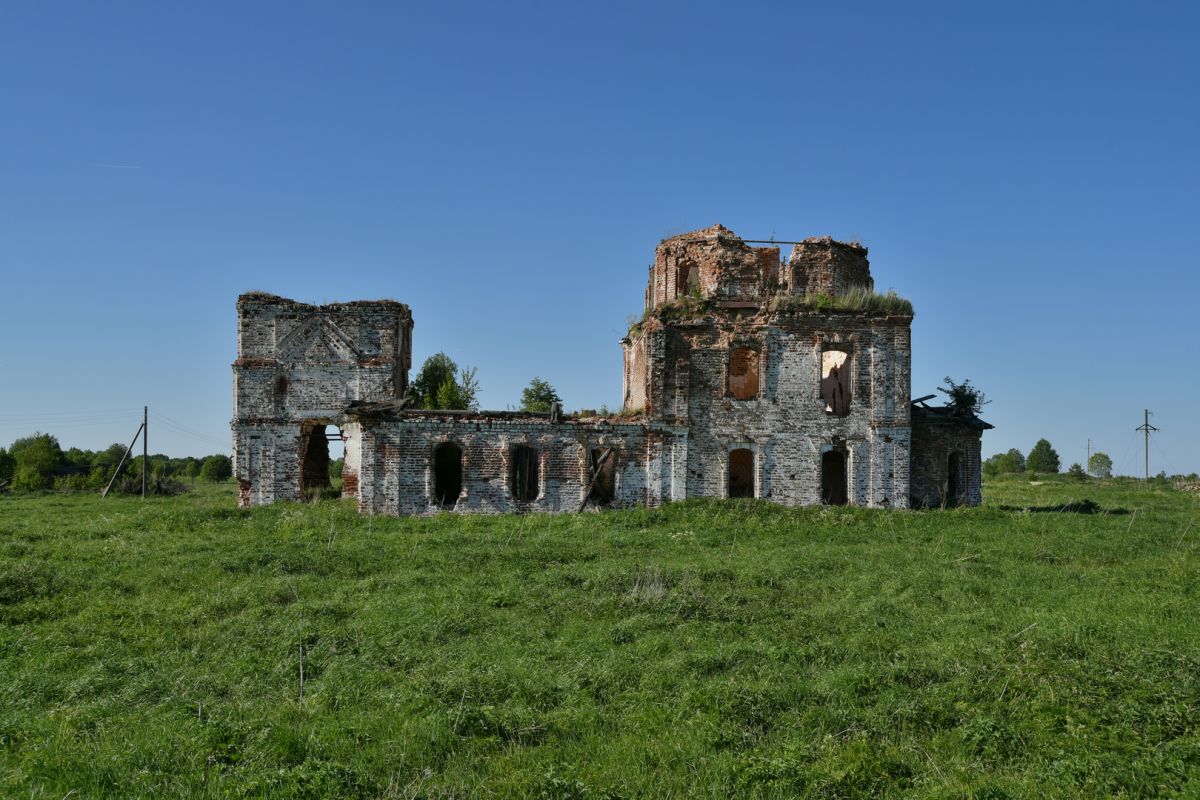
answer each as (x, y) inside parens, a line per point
(833, 478)
(315, 459)
(447, 474)
(603, 468)
(741, 473)
(954, 480)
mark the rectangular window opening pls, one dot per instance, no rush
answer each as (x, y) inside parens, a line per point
(743, 373)
(835, 382)
(524, 473)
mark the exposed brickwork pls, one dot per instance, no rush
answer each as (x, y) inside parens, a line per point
(298, 368)
(723, 395)
(946, 458)
(825, 266)
(398, 457)
(723, 267)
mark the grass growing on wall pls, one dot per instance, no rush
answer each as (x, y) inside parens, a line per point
(856, 298)
(154, 648)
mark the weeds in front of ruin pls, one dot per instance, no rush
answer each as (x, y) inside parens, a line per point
(706, 648)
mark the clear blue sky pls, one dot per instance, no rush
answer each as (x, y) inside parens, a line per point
(1026, 173)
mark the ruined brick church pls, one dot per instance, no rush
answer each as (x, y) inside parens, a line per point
(747, 377)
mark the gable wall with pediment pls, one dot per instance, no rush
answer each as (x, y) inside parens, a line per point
(299, 367)
(301, 363)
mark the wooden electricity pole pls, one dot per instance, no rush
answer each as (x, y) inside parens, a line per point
(1145, 428)
(145, 446)
(141, 429)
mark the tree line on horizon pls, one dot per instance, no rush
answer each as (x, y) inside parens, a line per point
(39, 462)
(1043, 459)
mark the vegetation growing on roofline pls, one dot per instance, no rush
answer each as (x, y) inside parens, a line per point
(856, 298)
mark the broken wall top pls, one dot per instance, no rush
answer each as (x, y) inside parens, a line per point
(823, 265)
(276, 328)
(298, 362)
(712, 263)
(716, 264)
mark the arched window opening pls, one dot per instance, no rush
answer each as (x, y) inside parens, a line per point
(447, 474)
(833, 478)
(602, 471)
(743, 373)
(687, 280)
(741, 473)
(954, 480)
(524, 475)
(835, 382)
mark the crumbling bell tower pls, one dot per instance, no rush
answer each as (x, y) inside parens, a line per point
(783, 395)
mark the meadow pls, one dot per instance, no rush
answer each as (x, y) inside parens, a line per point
(1045, 644)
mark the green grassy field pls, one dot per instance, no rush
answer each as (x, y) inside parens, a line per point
(1022, 649)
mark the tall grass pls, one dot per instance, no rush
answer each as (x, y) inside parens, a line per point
(855, 298)
(715, 649)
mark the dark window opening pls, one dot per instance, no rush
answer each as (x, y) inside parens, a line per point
(835, 382)
(524, 473)
(833, 478)
(743, 373)
(953, 480)
(602, 469)
(447, 474)
(741, 473)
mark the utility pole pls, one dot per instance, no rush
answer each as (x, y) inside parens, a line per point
(1087, 465)
(141, 429)
(145, 446)
(1145, 428)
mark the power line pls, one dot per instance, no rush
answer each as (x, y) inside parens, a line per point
(1121, 464)
(88, 412)
(175, 427)
(1174, 469)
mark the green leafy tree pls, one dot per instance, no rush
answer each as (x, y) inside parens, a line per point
(1100, 465)
(78, 458)
(1042, 458)
(441, 384)
(991, 466)
(1076, 473)
(963, 396)
(216, 468)
(539, 395)
(1004, 463)
(1014, 461)
(8, 465)
(37, 458)
(109, 457)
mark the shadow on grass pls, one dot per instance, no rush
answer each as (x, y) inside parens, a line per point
(1077, 507)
